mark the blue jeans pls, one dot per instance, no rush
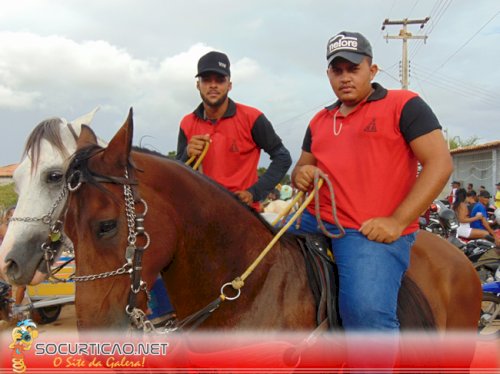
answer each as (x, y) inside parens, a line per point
(370, 275)
(159, 304)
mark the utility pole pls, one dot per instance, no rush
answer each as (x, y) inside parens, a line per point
(404, 34)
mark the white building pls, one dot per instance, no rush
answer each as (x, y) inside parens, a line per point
(477, 164)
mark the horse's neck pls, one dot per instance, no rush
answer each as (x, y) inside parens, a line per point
(218, 238)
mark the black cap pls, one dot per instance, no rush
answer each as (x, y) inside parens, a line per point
(349, 45)
(214, 62)
(455, 182)
(485, 194)
(498, 184)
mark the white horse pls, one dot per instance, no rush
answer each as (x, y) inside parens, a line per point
(42, 197)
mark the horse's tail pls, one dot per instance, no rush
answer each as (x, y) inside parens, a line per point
(414, 311)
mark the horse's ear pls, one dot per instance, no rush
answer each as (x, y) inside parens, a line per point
(118, 150)
(86, 119)
(87, 137)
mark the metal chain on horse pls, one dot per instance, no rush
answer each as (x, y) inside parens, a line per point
(200, 157)
(55, 236)
(133, 255)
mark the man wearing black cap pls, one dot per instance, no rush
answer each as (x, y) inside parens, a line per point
(236, 133)
(369, 143)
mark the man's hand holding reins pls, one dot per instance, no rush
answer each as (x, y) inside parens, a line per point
(303, 177)
(196, 144)
(245, 197)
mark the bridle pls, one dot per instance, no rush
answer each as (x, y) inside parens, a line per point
(133, 252)
(55, 238)
(133, 256)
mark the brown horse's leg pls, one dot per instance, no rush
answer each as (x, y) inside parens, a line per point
(452, 288)
(449, 282)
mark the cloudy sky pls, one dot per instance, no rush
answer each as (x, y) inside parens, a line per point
(65, 57)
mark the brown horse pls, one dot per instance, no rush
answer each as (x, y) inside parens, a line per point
(200, 238)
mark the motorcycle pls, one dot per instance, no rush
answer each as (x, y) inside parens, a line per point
(429, 221)
(481, 252)
(490, 306)
(488, 265)
(41, 303)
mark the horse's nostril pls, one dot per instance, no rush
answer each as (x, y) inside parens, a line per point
(12, 270)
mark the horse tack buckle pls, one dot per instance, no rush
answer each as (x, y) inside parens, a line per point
(129, 253)
(74, 181)
(230, 298)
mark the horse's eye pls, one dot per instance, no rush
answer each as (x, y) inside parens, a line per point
(107, 227)
(54, 177)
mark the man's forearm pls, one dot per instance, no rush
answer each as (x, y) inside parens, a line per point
(427, 187)
(280, 163)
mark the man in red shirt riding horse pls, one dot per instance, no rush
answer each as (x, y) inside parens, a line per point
(237, 133)
(369, 142)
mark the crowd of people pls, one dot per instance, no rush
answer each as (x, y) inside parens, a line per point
(472, 213)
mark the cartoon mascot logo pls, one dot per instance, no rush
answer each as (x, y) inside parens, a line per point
(22, 338)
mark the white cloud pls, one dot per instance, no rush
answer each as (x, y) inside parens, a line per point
(64, 58)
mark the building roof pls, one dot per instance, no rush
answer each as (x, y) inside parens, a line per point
(475, 148)
(8, 170)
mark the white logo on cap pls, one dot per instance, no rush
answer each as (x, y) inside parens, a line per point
(222, 65)
(343, 42)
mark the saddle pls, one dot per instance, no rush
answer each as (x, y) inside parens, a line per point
(323, 277)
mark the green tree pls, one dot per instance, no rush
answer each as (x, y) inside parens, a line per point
(285, 180)
(457, 142)
(8, 196)
(171, 155)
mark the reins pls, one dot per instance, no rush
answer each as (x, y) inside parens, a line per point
(134, 253)
(200, 157)
(238, 283)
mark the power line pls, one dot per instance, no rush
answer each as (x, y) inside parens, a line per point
(467, 42)
(404, 35)
(470, 87)
(316, 108)
(382, 31)
(390, 75)
(413, 7)
(463, 91)
(435, 16)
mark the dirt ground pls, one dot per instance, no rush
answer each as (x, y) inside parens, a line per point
(67, 323)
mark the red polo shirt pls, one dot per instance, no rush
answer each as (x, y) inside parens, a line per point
(369, 161)
(236, 141)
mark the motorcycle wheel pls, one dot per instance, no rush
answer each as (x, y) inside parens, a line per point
(46, 314)
(485, 275)
(489, 305)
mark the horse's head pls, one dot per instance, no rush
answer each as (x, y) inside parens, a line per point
(39, 184)
(97, 222)
(189, 230)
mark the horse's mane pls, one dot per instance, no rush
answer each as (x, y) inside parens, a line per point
(80, 158)
(208, 180)
(48, 130)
